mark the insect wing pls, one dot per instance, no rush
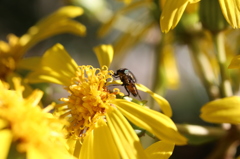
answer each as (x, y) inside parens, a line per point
(131, 77)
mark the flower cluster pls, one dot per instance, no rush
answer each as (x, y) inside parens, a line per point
(27, 128)
(93, 118)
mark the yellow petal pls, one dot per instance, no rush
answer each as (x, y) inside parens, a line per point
(192, 7)
(27, 88)
(165, 106)
(56, 66)
(88, 145)
(235, 63)
(231, 12)
(156, 123)
(99, 144)
(33, 153)
(72, 144)
(34, 98)
(160, 150)
(238, 4)
(56, 23)
(172, 13)
(104, 54)
(127, 142)
(225, 110)
(29, 63)
(170, 67)
(4, 47)
(6, 140)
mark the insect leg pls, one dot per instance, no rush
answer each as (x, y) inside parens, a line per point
(139, 96)
(137, 92)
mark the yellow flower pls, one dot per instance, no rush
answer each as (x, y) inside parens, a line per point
(24, 125)
(173, 10)
(97, 118)
(225, 110)
(56, 23)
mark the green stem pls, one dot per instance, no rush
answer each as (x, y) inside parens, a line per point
(225, 86)
(159, 84)
(204, 69)
(198, 130)
(226, 148)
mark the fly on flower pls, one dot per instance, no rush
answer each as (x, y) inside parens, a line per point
(97, 119)
(128, 79)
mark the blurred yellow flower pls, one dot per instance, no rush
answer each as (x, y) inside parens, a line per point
(96, 117)
(173, 10)
(56, 23)
(35, 132)
(225, 110)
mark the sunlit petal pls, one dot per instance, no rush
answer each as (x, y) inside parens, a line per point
(34, 98)
(72, 144)
(56, 66)
(56, 23)
(30, 63)
(98, 138)
(34, 154)
(225, 110)
(27, 88)
(104, 54)
(192, 7)
(231, 12)
(165, 106)
(6, 140)
(238, 4)
(172, 13)
(157, 123)
(127, 142)
(160, 150)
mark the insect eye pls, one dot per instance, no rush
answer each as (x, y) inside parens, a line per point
(125, 71)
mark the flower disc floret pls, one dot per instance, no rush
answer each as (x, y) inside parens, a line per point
(89, 99)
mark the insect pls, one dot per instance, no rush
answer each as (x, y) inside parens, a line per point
(128, 79)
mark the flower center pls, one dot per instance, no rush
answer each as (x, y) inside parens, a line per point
(89, 99)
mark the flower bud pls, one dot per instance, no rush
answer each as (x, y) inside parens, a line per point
(211, 16)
